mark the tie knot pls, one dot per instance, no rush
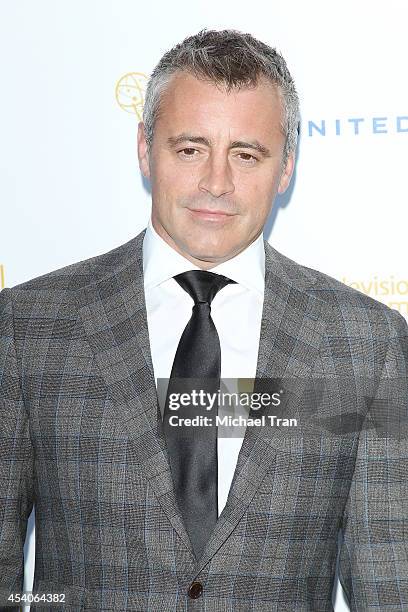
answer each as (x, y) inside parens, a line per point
(202, 285)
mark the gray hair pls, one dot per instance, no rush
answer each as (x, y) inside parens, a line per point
(227, 57)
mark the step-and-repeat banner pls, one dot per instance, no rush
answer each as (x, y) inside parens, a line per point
(73, 77)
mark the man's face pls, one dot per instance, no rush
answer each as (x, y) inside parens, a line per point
(217, 152)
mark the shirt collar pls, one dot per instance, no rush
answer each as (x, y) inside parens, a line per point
(161, 262)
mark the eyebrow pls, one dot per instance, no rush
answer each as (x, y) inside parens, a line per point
(255, 145)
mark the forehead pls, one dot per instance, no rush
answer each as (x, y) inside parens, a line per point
(189, 102)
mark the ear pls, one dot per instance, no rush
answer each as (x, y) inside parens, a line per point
(287, 173)
(142, 151)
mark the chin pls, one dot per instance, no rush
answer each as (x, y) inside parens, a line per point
(207, 253)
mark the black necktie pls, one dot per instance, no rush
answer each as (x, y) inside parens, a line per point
(193, 449)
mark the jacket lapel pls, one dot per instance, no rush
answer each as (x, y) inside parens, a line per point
(291, 333)
(113, 313)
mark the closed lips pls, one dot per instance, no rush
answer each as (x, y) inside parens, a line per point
(212, 212)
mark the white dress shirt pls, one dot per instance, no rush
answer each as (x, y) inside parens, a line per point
(236, 311)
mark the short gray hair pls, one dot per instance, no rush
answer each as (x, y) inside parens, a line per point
(227, 57)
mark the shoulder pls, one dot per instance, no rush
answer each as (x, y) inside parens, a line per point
(340, 303)
(61, 284)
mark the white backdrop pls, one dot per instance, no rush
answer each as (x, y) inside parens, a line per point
(69, 179)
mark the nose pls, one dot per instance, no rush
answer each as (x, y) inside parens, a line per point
(217, 178)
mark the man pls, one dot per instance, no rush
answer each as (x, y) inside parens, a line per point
(135, 514)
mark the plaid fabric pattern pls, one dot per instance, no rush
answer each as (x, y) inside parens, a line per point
(80, 439)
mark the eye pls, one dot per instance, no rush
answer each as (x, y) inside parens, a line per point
(247, 157)
(187, 152)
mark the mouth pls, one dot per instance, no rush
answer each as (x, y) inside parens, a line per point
(211, 215)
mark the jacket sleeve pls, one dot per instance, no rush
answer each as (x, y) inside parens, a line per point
(16, 457)
(373, 562)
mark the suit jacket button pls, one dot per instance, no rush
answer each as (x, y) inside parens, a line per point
(195, 590)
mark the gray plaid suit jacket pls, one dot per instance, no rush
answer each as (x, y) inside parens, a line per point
(79, 438)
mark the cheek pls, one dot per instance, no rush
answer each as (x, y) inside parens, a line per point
(257, 197)
(257, 184)
(173, 176)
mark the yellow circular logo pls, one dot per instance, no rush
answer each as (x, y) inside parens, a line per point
(130, 92)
